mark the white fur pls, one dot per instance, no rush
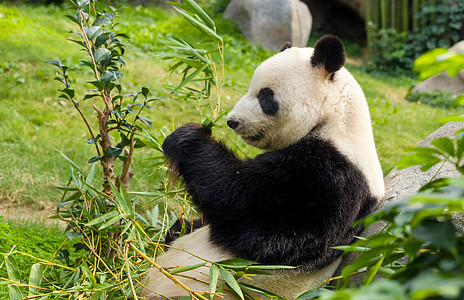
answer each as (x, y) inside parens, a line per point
(284, 283)
(306, 97)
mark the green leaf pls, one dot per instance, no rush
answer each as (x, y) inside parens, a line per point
(66, 188)
(146, 194)
(14, 293)
(195, 8)
(103, 218)
(98, 84)
(276, 267)
(236, 263)
(70, 161)
(12, 268)
(110, 222)
(101, 54)
(261, 291)
(101, 39)
(102, 21)
(111, 75)
(71, 235)
(35, 278)
(93, 31)
(213, 279)
(145, 91)
(444, 144)
(440, 234)
(95, 158)
(145, 121)
(231, 282)
(57, 63)
(373, 271)
(74, 19)
(187, 268)
(80, 43)
(127, 203)
(88, 273)
(190, 77)
(113, 151)
(89, 96)
(123, 200)
(200, 26)
(451, 119)
(427, 160)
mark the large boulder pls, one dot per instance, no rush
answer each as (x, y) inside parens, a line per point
(400, 184)
(443, 82)
(271, 23)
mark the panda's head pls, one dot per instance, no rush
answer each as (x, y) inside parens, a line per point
(290, 94)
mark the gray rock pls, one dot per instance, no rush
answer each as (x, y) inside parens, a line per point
(271, 23)
(443, 82)
(400, 184)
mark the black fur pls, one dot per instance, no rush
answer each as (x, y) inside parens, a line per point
(267, 101)
(285, 207)
(176, 229)
(330, 53)
(286, 46)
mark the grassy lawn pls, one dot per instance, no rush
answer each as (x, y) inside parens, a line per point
(34, 121)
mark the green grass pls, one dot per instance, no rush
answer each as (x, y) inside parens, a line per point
(29, 237)
(34, 121)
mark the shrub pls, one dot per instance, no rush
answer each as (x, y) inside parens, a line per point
(437, 98)
(440, 24)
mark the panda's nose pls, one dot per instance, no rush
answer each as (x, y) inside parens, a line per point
(232, 124)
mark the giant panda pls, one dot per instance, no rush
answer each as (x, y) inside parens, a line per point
(319, 172)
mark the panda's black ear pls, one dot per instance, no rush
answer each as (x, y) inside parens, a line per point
(330, 53)
(286, 46)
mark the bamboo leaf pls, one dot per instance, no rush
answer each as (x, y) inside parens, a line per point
(103, 218)
(12, 268)
(186, 268)
(231, 282)
(262, 291)
(213, 279)
(276, 267)
(236, 263)
(111, 221)
(126, 202)
(70, 161)
(373, 271)
(200, 12)
(89, 273)
(200, 26)
(35, 278)
(190, 78)
(15, 293)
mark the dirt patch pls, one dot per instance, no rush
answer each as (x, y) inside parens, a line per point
(34, 214)
(357, 62)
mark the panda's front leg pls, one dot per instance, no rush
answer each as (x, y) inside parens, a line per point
(185, 140)
(204, 163)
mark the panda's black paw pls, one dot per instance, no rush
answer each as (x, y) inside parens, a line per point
(185, 139)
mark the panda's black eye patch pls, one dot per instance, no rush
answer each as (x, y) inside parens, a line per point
(267, 101)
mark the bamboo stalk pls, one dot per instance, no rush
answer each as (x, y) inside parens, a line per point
(393, 14)
(383, 14)
(405, 15)
(375, 13)
(415, 10)
(167, 274)
(368, 27)
(432, 17)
